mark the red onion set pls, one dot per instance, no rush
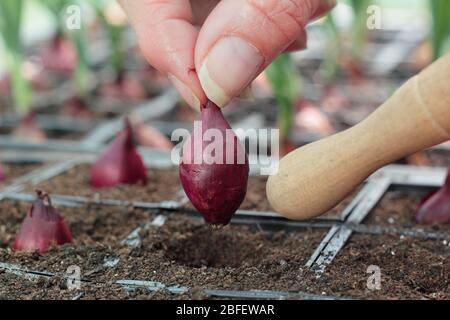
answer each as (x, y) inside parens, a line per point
(42, 228)
(435, 208)
(215, 188)
(120, 163)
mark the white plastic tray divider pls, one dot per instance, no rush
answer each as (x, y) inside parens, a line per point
(148, 110)
(338, 236)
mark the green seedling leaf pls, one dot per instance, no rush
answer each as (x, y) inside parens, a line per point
(286, 87)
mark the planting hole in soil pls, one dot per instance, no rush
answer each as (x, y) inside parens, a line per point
(178, 252)
(188, 252)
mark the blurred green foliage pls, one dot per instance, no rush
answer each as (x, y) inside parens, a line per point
(78, 37)
(440, 35)
(11, 13)
(359, 28)
(330, 66)
(285, 80)
(282, 73)
(115, 35)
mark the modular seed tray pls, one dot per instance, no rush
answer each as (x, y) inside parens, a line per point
(152, 244)
(171, 235)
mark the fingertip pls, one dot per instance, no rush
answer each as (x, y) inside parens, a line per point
(186, 93)
(167, 37)
(300, 44)
(323, 8)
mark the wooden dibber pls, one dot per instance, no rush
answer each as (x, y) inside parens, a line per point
(314, 178)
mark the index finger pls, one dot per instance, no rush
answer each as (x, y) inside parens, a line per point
(167, 37)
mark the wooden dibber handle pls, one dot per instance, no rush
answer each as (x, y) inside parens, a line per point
(314, 178)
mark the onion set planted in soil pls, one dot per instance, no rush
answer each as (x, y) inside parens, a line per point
(42, 228)
(215, 186)
(60, 55)
(120, 163)
(435, 208)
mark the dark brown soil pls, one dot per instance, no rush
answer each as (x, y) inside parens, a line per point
(187, 252)
(182, 252)
(410, 269)
(14, 171)
(89, 224)
(163, 185)
(397, 209)
(13, 287)
(256, 198)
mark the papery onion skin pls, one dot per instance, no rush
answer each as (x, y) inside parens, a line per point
(215, 190)
(120, 163)
(435, 208)
(60, 55)
(42, 228)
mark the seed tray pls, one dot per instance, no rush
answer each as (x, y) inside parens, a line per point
(379, 184)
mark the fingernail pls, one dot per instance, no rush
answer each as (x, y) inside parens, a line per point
(229, 68)
(185, 92)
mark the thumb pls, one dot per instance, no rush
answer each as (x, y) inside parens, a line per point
(241, 37)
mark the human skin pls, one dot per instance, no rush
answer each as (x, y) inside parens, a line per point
(212, 49)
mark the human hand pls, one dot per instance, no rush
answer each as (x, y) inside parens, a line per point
(214, 49)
